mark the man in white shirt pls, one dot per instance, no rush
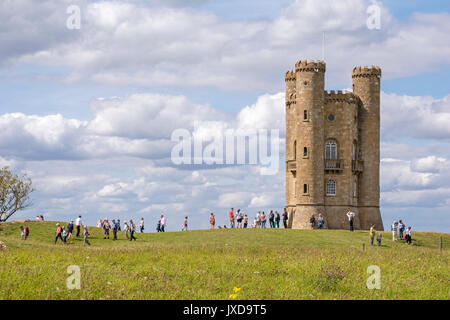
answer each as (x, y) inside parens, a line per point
(258, 219)
(351, 218)
(78, 225)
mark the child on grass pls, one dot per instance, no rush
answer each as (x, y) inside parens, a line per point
(379, 237)
(86, 234)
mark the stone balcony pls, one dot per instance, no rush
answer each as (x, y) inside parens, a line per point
(292, 165)
(357, 166)
(334, 164)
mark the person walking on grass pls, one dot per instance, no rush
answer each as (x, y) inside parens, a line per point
(158, 226)
(239, 217)
(22, 233)
(212, 221)
(115, 228)
(106, 228)
(271, 219)
(163, 223)
(312, 221)
(401, 229)
(64, 235)
(379, 237)
(126, 228)
(70, 230)
(408, 236)
(394, 229)
(78, 225)
(231, 216)
(320, 221)
(185, 224)
(285, 218)
(351, 218)
(372, 234)
(59, 233)
(132, 230)
(85, 236)
(141, 225)
(245, 221)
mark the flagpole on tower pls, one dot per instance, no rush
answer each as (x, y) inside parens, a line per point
(323, 46)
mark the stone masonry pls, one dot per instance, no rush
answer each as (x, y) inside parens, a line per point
(332, 148)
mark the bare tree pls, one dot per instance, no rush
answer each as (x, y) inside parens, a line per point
(14, 193)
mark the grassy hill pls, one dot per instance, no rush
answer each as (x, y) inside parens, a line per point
(208, 264)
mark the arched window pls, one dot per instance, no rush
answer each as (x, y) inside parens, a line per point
(331, 150)
(355, 188)
(305, 152)
(331, 188)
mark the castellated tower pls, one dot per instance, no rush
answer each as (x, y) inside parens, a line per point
(332, 148)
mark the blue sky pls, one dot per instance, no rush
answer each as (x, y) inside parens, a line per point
(65, 95)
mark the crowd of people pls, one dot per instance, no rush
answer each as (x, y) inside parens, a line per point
(240, 220)
(236, 219)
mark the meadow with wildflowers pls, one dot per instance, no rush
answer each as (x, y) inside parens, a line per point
(230, 264)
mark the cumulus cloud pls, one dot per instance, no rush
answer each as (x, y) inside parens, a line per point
(415, 117)
(129, 43)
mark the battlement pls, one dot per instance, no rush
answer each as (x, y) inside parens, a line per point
(311, 66)
(340, 96)
(366, 72)
(289, 76)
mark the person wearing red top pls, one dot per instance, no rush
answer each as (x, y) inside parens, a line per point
(58, 233)
(231, 218)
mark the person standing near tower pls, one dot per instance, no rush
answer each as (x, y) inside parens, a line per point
(78, 225)
(231, 216)
(351, 219)
(285, 218)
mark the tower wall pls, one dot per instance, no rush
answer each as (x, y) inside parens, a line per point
(366, 85)
(290, 97)
(310, 83)
(341, 126)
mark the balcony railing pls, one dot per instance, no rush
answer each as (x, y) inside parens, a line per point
(334, 164)
(357, 165)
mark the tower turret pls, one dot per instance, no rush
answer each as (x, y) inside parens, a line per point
(309, 155)
(366, 85)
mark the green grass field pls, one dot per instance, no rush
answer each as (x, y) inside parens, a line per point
(208, 264)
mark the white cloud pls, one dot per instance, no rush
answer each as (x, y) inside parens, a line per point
(126, 43)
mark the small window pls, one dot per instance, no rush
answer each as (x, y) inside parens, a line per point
(305, 188)
(331, 188)
(295, 150)
(355, 186)
(305, 152)
(305, 115)
(331, 117)
(305, 83)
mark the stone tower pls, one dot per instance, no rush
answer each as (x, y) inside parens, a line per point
(332, 148)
